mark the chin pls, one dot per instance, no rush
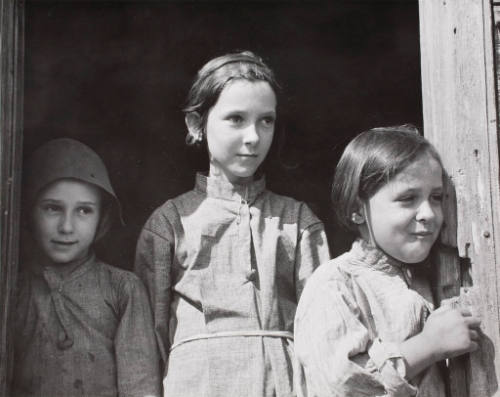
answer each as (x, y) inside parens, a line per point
(63, 259)
(245, 173)
(415, 257)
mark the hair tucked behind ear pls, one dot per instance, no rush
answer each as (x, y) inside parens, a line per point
(371, 160)
(211, 80)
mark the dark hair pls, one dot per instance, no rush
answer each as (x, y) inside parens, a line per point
(214, 76)
(370, 161)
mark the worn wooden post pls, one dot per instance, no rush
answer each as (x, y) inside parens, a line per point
(11, 96)
(460, 118)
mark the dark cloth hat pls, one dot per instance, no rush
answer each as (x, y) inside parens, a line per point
(67, 158)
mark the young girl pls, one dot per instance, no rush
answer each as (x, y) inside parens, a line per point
(82, 327)
(226, 262)
(365, 325)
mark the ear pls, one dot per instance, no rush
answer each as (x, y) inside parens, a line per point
(357, 218)
(193, 123)
(358, 215)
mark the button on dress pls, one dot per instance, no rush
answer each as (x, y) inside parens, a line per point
(225, 265)
(89, 334)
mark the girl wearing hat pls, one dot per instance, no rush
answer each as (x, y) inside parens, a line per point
(82, 327)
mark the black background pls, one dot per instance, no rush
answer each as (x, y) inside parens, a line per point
(114, 75)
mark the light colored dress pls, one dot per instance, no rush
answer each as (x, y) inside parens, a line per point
(353, 312)
(225, 265)
(88, 335)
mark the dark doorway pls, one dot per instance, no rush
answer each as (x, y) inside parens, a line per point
(115, 74)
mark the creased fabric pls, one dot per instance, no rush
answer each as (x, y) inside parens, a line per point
(354, 312)
(228, 258)
(89, 334)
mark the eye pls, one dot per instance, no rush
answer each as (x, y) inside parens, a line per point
(51, 208)
(269, 121)
(407, 198)
(437, 197)
(84, 210)
(235, 119)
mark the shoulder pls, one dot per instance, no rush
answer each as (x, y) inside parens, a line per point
(119, 280)
(282, 200)
(122, 289)
(332, 271)
(174, 205)
(167, 217)
(329, 279)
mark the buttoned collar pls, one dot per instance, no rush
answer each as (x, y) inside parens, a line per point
(222, 189)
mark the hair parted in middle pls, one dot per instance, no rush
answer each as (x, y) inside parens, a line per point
(370, 161)
(214, 76)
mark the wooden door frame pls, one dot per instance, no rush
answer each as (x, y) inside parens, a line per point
(460, 118)
(11, 111)
(459, 106)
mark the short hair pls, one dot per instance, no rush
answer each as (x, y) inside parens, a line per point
(215, 75)
(370, 161)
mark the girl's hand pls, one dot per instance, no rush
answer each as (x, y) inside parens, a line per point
(447, 333)
(451, 332)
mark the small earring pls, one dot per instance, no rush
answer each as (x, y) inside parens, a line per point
(199, 137)
(356, 218)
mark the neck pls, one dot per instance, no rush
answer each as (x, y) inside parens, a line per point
(66, 268)
(216, 172)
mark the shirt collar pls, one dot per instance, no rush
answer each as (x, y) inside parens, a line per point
(367, 255)
(220, 188)
(79, 267)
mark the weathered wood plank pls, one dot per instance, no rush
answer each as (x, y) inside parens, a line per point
(460, 118)
(11, 94)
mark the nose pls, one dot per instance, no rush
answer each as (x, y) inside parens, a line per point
(426, 212)
(251, 135)
(66, 223)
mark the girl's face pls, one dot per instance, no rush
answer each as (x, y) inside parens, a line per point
(66, 215)
(405, 215)
(240, 129)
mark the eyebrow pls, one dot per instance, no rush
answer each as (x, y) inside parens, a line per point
(52, 200)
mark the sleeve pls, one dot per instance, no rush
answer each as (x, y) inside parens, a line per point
(136, 351)
(335, 351)
(312, 248)
(153, 262)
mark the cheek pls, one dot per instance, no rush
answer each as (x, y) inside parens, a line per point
(439, 217)
(269, 138)
(220, 145)
(89, 227)
(95, 226)
(41, 227)
(266, 142)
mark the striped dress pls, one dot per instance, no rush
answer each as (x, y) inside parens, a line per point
(224, 266)
(354, 312)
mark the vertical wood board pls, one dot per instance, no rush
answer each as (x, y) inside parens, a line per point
(11, 89)
(460, 118)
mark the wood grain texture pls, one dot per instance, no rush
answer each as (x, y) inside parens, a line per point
(11, 83)
(460, 118)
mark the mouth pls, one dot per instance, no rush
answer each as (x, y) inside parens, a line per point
(248, 155)
(426, 233)
(64, 243)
